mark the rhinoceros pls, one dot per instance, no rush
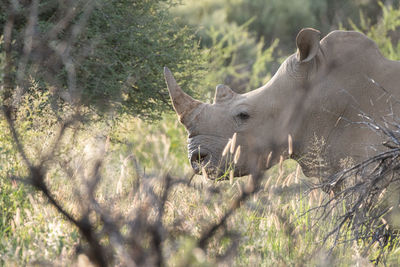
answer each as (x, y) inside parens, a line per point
(329, 90)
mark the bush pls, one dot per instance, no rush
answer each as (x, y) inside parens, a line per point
(104, 171)
(232, 52)
(106, 54)
(235, 58)
(385, 32)
(134, 40)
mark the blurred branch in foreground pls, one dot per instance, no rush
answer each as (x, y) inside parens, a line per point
(51, 58)
(142, 244)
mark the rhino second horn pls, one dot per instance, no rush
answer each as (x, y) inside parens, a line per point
(223, 93)
(182, 102)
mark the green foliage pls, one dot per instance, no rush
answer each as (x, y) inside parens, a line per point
(261, 68)
(273, 225)
(134, 40)
(118, 58)
(158, 147)
(25, 226)
(233, 56)
(201, 15)
(283, 19)
(276, 19)
(12, 197)
(236, 58)
(385, 32)
(245, 56)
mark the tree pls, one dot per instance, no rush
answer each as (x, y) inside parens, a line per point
(112, 51)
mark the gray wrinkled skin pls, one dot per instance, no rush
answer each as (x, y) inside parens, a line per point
(317, 93)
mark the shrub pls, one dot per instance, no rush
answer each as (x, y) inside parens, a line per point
(105, 54)
(385, 32)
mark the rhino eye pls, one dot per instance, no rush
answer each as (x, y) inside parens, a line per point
(243, 116)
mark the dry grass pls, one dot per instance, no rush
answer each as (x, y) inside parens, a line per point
(131, 183)
(271, 227)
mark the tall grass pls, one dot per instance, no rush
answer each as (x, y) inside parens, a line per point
(271, 227)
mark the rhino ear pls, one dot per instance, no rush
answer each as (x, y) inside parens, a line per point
(223, 93)
(307, 42)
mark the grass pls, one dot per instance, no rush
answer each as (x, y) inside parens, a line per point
(273, 225)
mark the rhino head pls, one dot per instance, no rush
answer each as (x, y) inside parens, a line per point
(307, 97)
(258, 120)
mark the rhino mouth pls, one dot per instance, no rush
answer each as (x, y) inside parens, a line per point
(205, 156)
(203, 162)
(199, 159)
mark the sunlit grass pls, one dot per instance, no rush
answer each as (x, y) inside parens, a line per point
(274, 225)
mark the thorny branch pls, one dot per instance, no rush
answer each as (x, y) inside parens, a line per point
(369, 193)
(143, 244)
(252, 187)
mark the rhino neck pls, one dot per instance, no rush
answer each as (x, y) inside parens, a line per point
(321, 111)
(300, 100)
(329, 137)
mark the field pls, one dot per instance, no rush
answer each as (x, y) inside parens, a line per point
(93, 161)
(272, 227)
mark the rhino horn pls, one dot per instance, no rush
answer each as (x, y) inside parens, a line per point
(182, 102)
(223, 93)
